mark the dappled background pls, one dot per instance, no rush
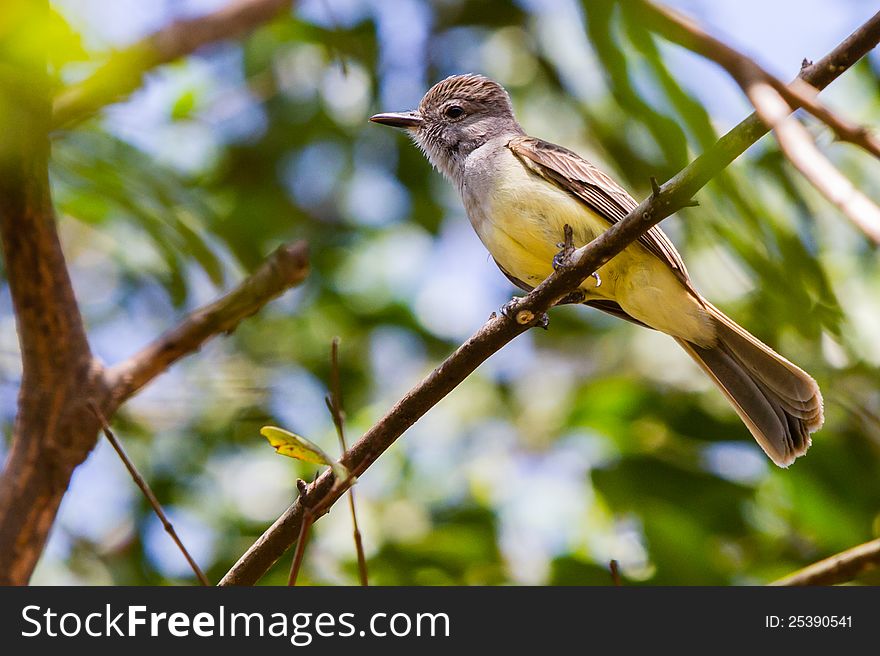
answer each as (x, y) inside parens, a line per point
(595, 440)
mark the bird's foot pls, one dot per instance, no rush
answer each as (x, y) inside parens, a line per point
(524, 317)
(508, 308)
(563, 257)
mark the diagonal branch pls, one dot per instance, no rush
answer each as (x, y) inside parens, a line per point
(838, 568)
(498, 331)
(286, 267)
(799, 148)
(774, 100)
(745, 70)
(124, 71)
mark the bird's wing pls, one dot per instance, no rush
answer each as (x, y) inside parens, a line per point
(575, 175)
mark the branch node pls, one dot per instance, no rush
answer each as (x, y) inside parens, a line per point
(525, 317)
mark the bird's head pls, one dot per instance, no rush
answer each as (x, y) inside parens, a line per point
(456, 116)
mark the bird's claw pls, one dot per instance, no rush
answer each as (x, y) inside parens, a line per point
(563, 257)
(507, 308)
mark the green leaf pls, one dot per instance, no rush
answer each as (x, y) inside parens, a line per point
(296, 446)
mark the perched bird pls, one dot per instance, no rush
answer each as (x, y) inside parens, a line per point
(521, 192)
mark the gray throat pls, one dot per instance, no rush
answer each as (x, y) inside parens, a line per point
(450, 157)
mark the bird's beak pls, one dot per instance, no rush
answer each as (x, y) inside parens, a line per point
(407, 120)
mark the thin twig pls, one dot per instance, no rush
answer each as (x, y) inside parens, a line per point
(302, 538)
(800, 149)
(498, 331)
(839, 568)
(615, 572)
(310, 514)
(148, 493)
(334, 404)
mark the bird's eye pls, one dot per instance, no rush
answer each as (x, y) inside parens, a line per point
(454, 111)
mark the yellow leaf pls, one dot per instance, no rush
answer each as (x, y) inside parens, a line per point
(296, 446)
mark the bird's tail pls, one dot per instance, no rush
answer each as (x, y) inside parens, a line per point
(779, 402)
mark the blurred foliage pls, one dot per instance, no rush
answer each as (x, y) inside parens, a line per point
(593, 441)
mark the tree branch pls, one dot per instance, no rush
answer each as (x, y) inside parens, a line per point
(334, 405)
(53, 431)
(774, 100)
(799, 148)
(746, 71)
(124, 71)
(839, 568)
(286, 267)
(499, 330)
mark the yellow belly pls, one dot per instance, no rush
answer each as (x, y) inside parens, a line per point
(524, 227)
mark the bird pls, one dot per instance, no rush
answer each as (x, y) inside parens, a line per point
(522, 194)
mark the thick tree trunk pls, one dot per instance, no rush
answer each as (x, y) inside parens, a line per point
(54, 428)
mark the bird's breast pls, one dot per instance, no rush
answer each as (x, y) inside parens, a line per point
(520, 217)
